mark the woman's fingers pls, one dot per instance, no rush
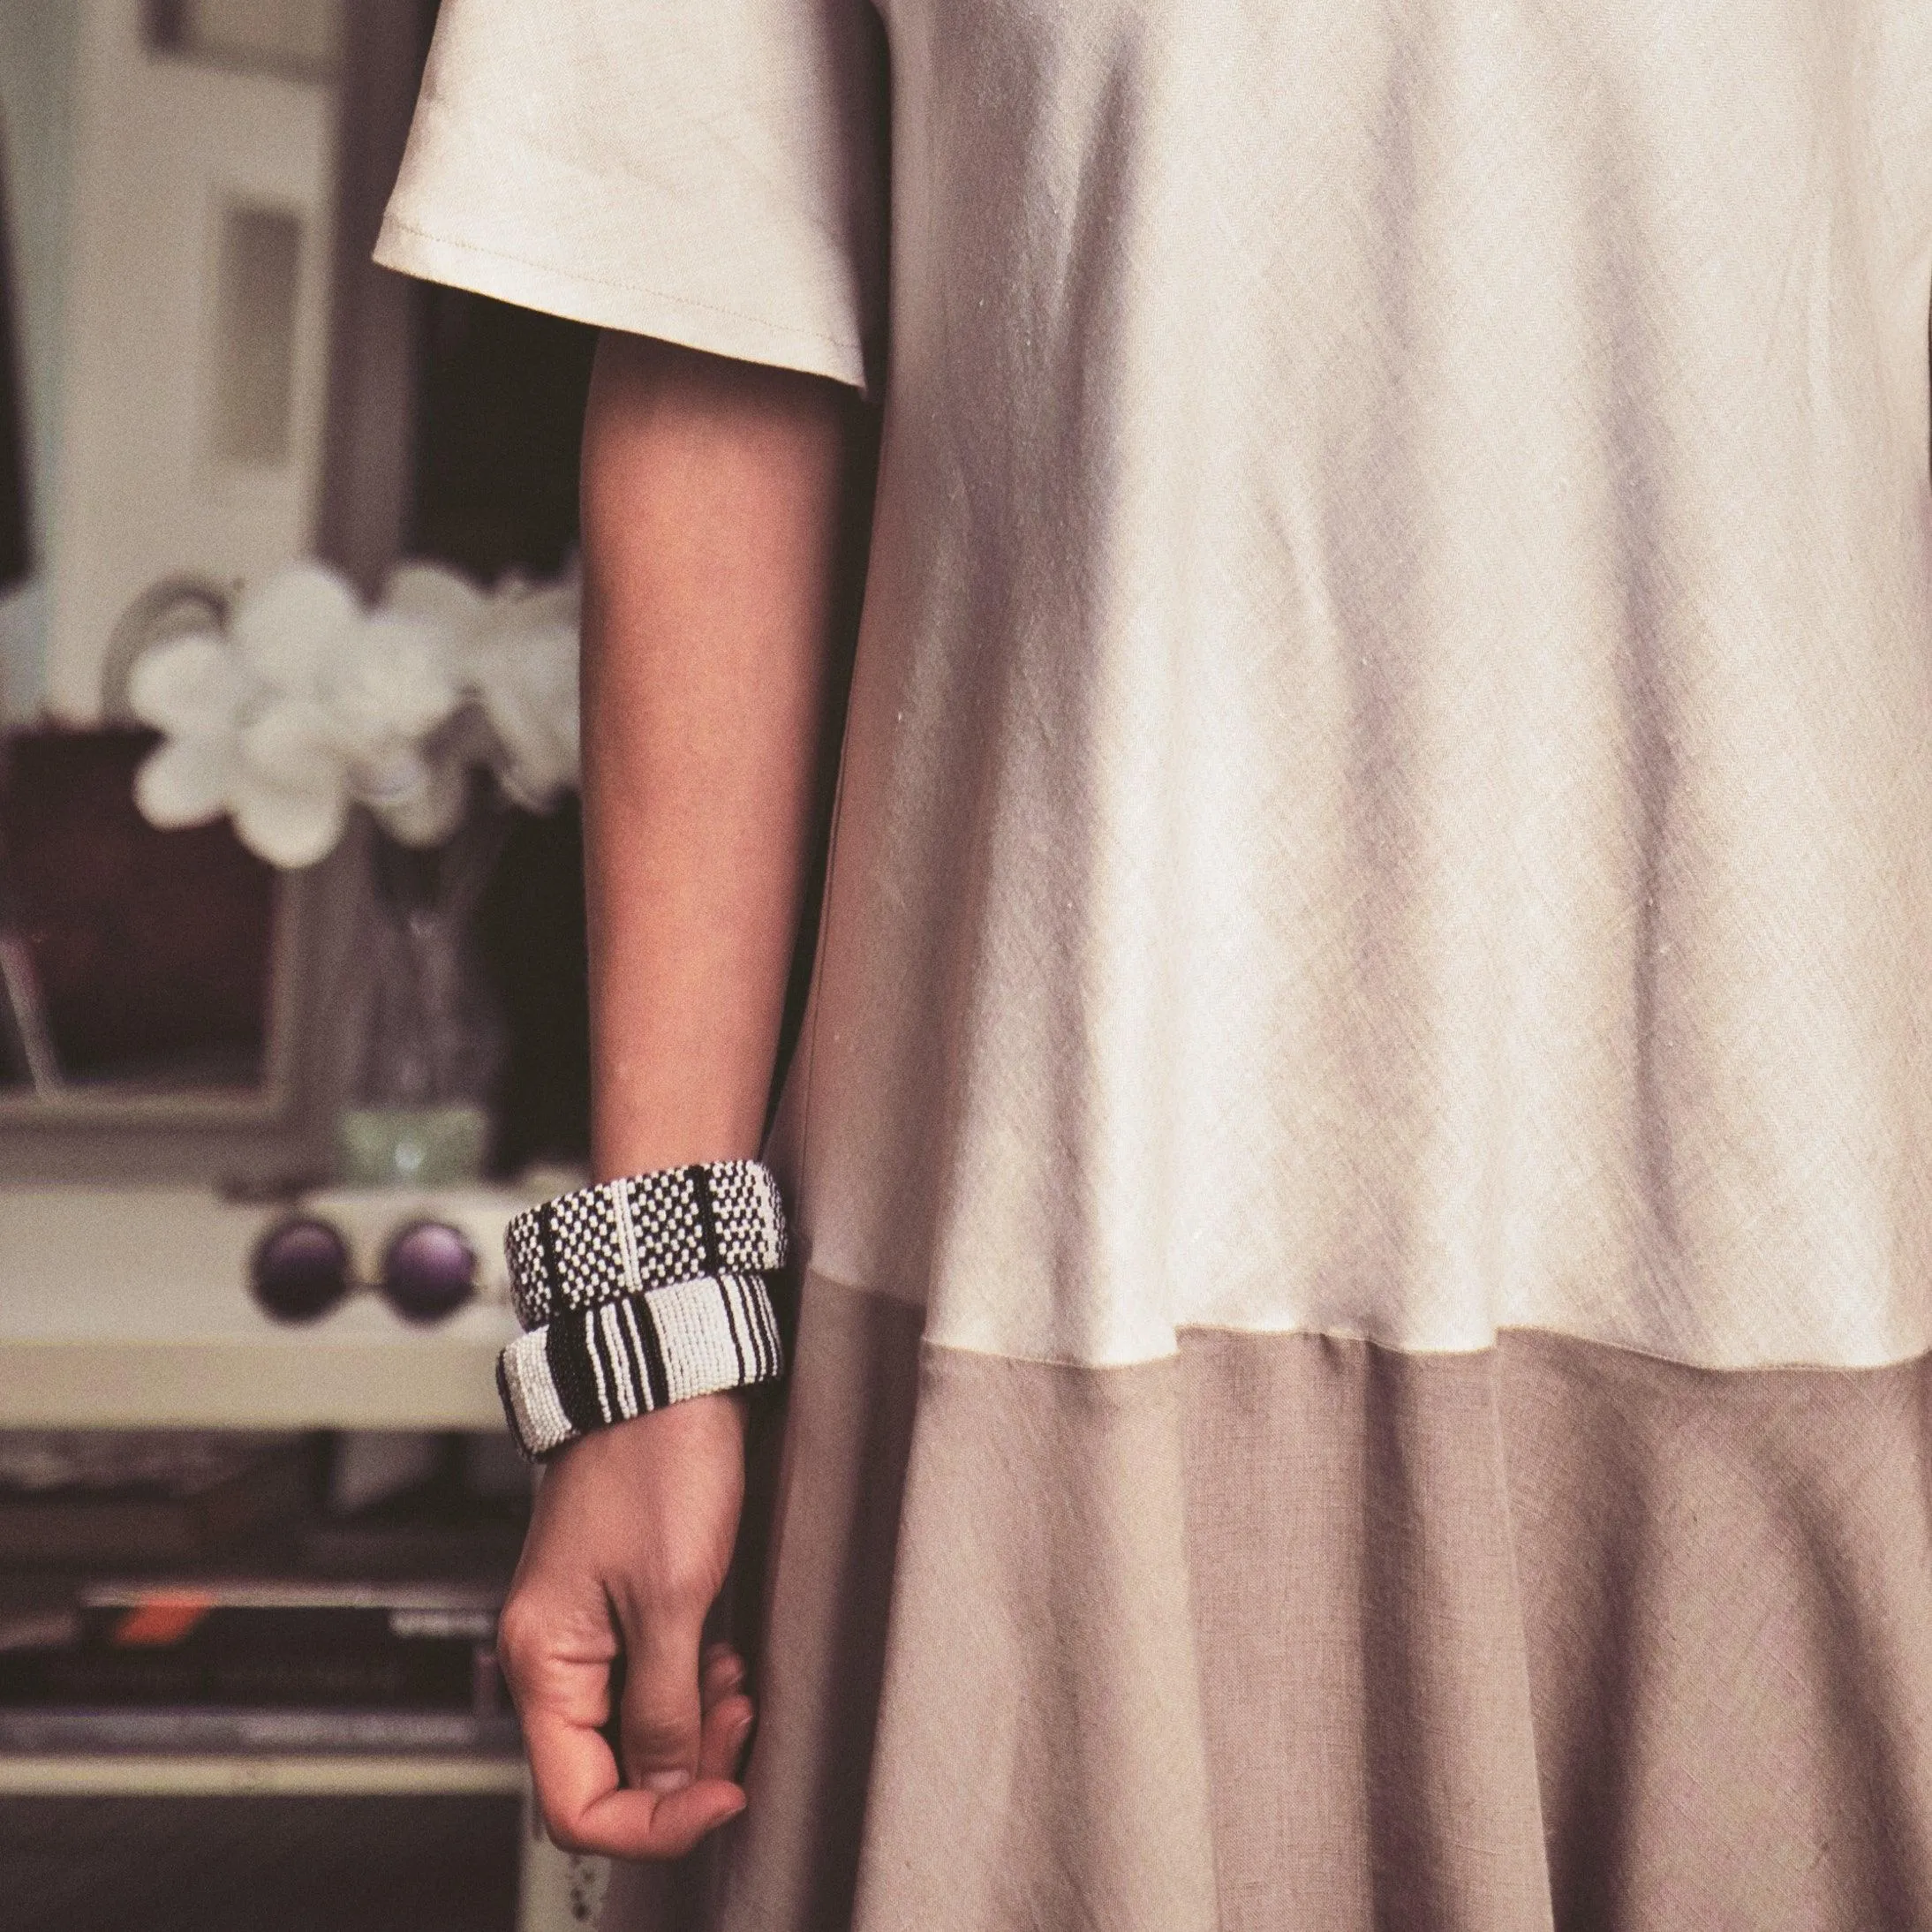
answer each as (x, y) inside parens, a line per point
(584, 1807)
(570, 1765)
(727, 1715)
(662, 1718)
(728, 1729)
(557, 1651)
(683, 1756)
(559, 1658)
(721, 1673)
(683, 1723)
(636, 1825)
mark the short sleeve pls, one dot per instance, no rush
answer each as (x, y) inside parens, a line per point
(707, 172)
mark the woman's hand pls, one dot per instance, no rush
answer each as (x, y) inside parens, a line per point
(627, 1553)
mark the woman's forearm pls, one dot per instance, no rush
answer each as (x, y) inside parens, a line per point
(712, 499)
(713, 511)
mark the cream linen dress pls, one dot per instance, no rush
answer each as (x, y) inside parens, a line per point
(1363, 1143)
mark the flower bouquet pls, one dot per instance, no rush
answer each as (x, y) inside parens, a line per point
(431, 713)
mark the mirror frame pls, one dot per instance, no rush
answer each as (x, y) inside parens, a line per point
(279, 1132)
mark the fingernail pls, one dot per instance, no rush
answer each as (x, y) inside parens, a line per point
(664, 1782)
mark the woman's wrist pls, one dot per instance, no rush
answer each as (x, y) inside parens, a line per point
(641, 1138)
(644, 1138)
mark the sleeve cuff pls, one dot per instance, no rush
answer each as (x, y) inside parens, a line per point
(634, 308)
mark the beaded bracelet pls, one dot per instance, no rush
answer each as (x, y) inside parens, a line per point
(646, 1231)
(591, 1367)
(640, 1292)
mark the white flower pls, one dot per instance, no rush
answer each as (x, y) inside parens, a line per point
(289, 629)
(195, 689)
(390, 691)
(187, 782)
(522, 665)
(435, 593)
(390, 678)
(419, 800)
(290, 795)
(311, 704)
(193, 686)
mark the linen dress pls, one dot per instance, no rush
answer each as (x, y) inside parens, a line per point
(1364, 1142)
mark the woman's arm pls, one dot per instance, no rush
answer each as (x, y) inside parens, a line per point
(713, 493)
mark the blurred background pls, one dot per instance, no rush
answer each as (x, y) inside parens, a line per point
(291, 982)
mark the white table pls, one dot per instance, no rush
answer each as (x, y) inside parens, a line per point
(128, 1308)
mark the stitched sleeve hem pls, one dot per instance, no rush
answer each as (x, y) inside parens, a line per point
(631, 307)
(588, 1368)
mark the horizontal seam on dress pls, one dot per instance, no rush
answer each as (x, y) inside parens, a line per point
(629, 288)
(1430, 1354)
(1534, 1330)
(809, 1275)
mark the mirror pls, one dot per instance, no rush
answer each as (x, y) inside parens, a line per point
(201, 379)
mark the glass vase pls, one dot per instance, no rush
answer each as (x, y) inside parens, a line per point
(428, 1033)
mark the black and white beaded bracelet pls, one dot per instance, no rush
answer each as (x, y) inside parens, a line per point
(645, 1231)
(588, 1368)
(640, 1292)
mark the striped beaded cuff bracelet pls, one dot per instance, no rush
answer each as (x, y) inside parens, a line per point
(639, 1291)
(624, 1237)
(586, 1368)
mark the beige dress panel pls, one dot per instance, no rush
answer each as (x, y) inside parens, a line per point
(1289, 1633)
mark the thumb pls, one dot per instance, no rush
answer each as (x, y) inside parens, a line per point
(661, 1721)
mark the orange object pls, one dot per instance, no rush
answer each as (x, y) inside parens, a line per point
(162, 1620)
